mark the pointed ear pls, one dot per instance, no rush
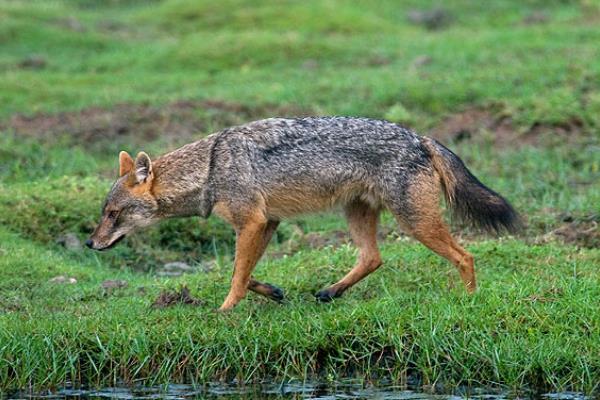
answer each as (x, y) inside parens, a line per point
(125, 163)
(143, 168)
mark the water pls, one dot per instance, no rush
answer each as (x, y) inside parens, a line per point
(299, 391)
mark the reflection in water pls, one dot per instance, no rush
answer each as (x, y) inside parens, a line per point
(284, 391)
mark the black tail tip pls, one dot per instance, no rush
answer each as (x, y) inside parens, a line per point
(499, 217)
(487, 210)
(509, 221)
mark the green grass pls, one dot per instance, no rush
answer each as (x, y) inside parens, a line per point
(535, 311)
(533, 323)
(175, 49)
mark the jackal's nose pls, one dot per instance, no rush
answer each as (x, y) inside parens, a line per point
(89, 243)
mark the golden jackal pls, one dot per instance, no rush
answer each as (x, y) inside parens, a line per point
(255, 175)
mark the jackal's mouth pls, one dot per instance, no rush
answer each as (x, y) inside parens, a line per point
(110, 246)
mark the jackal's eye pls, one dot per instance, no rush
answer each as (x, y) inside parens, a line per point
(113, 214)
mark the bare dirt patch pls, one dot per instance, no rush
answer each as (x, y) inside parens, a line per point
(491, 124)
(180, 119)
(584, 232)
(581, 231)
(169, 298)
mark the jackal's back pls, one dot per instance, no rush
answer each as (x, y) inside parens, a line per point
(316, 162)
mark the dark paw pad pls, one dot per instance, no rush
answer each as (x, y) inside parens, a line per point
(325, 296)
(276, 294)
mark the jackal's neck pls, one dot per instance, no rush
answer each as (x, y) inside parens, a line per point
(180, 180)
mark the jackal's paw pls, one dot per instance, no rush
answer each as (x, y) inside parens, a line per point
(326, 295)
(275, 293)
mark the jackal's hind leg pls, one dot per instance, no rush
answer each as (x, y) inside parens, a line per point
(435, 235)
(425, 223)
(362, 222)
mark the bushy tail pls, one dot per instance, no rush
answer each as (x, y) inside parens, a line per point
(469, 199)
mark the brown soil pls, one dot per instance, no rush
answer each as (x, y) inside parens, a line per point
(183, 296)
(181, 119)
(482, 124)
(185, 120)
(584, 232)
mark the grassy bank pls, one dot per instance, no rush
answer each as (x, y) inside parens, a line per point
(536, 311)
(513, 87)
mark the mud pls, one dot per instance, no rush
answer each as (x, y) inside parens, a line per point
(170, 298)
(582, 232)
(479, 124)
(186, 120)
(180, 120)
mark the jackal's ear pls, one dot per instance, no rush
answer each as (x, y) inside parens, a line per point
(125, 163)
(143, 168)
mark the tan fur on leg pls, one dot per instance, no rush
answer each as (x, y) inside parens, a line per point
(248, 249)
(428, 227)
(265, 289)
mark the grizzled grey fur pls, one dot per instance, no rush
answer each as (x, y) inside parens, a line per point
(319, 154)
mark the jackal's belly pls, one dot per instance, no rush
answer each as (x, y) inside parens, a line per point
(285, 202)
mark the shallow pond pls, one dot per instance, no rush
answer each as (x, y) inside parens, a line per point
(287, 391)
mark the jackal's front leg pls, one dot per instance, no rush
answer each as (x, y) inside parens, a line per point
(248, 250)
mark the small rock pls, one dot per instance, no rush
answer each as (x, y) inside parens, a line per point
(421, 61)
(69, 241)
(176, 268)
(61, 279)
(433, 19)
(114, 284)
(33, 61)
(169, 273)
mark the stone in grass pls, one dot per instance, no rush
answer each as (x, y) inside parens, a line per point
(61, 279)
(433, 19)
(178, 268)
(69, 241)
(421, 61)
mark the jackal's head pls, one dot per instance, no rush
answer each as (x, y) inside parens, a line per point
(130, 203)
